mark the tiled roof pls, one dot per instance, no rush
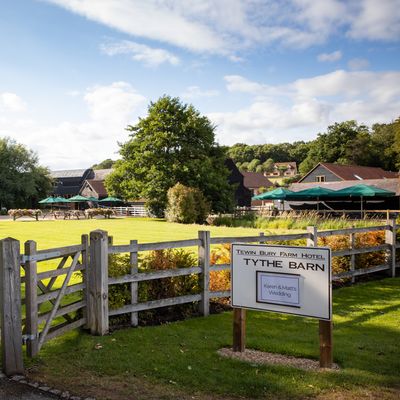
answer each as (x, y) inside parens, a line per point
(352, 172)
(100, 174)
(69, 173)
(98, 187)
(255, 180)
(392, 184)
(288, 163)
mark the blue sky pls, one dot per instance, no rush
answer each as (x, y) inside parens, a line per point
(75, 73)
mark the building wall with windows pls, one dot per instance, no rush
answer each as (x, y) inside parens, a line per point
(321, 174)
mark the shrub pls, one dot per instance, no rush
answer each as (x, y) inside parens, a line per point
(120, 295)
(186, 205)
(367, 260)
(220, 280)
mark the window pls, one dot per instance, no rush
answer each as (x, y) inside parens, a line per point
(320, 178)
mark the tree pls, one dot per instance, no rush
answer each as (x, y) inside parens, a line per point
(105, 164)
(253, 164)
(333, 145)
(173, 143)
(22, 180)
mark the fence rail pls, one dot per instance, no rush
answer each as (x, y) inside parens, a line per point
(71, 304)
(132, 211)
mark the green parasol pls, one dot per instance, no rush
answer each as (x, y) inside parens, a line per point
(78, 198)
(111, 199)
(276, 194)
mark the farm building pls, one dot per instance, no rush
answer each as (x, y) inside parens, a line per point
(242, 193)
(68, 183)
(256, 182)
(284, 169)
(329, 172)
(95, 187)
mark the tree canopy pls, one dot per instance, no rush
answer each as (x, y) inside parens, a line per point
(22, 180)
(172, 144)
(344, 143)
(105, 164)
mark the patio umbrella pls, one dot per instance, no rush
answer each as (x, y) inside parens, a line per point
(314, 193)
(362, 191)
(92, 198)
(276, 194)
(60, 199)
(48, 200)
(111, 199)
(78, 198)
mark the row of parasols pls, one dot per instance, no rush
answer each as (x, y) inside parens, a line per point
(79, 199)
(318, 193)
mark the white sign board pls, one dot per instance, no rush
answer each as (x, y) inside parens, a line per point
(286, 279)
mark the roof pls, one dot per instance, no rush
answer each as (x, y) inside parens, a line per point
(98, 187)
(101, 174)
(255, 180)
(355, 172)
(68, 173)
(392, 184)
(288, 163)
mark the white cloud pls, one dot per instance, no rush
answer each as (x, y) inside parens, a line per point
(226, 27)
(193, 92)
(112, 103)
(330, 57)
(304, 107)
(11, 102)
(140, 52)
(358, 64)
(237, 83)
(78, 145)
(376, 20)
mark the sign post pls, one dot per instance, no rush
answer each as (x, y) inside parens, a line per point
(285, 279)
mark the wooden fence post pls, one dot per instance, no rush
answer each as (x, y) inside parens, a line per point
(312, 240)
(239, 330)
(134, 285)
(85, 275)
(390, 238)
(204, 277)
(325, 327)
(98, 283)
(353, 256)
(325, 344)
(10, 307)
(31, 282)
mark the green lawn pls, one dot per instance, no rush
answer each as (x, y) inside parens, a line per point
(57, 233)
(179, 360)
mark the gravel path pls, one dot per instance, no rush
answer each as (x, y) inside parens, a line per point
(259, 357)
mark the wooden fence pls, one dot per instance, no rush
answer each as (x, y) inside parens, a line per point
(75, 292)
(131, 211)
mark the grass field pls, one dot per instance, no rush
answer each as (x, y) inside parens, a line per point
(180, 360)
(56, 233)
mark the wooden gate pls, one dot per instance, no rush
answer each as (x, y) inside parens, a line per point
(55, 299)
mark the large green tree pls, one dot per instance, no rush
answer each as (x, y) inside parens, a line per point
(333, 146)
(172, 144)
(22, 180)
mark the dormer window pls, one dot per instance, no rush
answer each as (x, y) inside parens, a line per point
(320, 178)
